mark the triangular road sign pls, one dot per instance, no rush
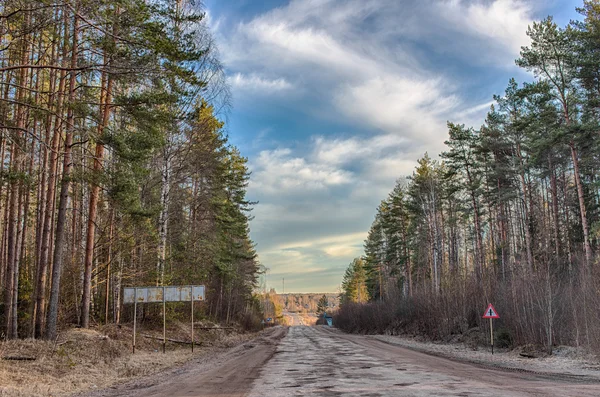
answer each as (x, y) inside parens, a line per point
(490, 312)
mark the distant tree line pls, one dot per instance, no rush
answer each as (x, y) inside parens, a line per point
(509, 215)
(114, 166)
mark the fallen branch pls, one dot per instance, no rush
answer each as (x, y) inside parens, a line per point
(170, 340)
(213, 327)
(528, 355)
(19, 358)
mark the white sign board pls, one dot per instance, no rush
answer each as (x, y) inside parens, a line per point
(188, 293)
(171, 294)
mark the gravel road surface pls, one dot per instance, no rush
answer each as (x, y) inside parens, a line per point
(317, 361)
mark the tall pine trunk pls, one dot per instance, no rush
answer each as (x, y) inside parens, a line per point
(582, 206)
(93, 204)
(527, 219)
(554, 194)
(39, 315)
(61, 218)
(12, 281)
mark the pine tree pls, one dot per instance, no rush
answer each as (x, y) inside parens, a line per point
(322, 305)
(93, 94)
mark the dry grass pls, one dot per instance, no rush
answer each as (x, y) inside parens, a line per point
(93, 359)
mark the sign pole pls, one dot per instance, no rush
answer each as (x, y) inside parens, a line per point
(164, 321)
(134, 316)
(491, 313)
(492, 335)
(192, 290)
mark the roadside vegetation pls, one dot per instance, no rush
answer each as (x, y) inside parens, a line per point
(115, 168)
(510, 215)
(94, 359)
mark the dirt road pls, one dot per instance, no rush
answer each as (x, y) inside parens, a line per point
(318, 361)
(229, 374)
(296, 319)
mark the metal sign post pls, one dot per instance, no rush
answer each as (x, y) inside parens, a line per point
(134, 316)
(192, 320)
(492, 335)
(491, 313)
(164, 321)
(164, 294)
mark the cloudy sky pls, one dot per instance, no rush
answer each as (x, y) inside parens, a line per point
(336, 100)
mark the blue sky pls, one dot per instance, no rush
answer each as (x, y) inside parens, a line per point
(333, 101)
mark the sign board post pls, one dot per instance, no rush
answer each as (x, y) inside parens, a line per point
(192, 322)
(491, 313)
(164, 294)
(134, 316)
(164, 320)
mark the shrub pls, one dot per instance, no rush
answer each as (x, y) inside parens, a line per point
(503, 338)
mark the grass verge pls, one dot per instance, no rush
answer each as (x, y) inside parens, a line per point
(88, 359)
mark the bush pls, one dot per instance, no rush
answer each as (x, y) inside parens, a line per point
(251, 322)
(503, 338)
(545, 309)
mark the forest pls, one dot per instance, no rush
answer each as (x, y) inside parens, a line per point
(116, 167)
(509, 214)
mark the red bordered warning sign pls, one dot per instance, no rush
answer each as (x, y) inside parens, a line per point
(490, 312)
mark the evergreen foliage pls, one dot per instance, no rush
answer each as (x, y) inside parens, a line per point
(322, 305)
(116, 170)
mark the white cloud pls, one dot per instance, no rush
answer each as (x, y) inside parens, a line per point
(343, 251)
(321, 44)
(308, 46)
(335, 240)
(502, 22)
(475, 115)
(409, 107)
(355, 35)
(279, 172)
(386, 170)
(259, 84)
(338, 151)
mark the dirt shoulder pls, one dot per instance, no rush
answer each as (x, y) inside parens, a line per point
(567, 362)
(82, 360)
